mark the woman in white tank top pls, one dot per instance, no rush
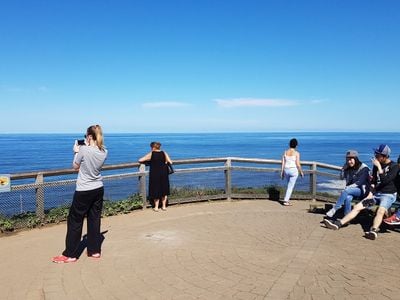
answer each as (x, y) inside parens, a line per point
(290, 169)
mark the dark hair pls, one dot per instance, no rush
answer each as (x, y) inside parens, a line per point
(156, 145)
(357, 164)
(293, 143)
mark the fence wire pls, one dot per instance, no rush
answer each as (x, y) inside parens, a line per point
(189, 183)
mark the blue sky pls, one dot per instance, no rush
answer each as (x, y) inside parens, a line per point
(199, 66)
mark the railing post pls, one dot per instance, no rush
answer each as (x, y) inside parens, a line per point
(228, 179)
(39, 196)
(142, 184)
(313, 181)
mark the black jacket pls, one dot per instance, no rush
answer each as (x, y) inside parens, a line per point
(385, 183)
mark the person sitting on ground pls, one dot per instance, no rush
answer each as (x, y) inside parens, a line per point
(356, 175)
(395, 218)
(384, 173)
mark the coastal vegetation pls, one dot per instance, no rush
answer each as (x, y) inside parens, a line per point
(133, 202)
(59, 214)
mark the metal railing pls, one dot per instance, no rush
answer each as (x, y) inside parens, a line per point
(235, 170)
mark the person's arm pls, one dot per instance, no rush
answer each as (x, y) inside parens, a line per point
(362, 178)
(298, 164)
(389, 176)
(282, 164)
(344, 172)
(147, 157)
(76, 162)
(167, 158)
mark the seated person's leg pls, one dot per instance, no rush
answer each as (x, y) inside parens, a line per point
(350, 216)
(356, 210)
(347, 204)
(339, 203)
(385, 202)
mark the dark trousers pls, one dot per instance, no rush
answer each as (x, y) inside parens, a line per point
(90, 204)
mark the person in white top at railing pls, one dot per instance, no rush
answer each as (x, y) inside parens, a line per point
(290, 169)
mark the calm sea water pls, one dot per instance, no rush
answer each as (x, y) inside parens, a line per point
(32, 152)
(27, 152)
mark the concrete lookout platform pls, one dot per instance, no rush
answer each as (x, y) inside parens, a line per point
(221, 250)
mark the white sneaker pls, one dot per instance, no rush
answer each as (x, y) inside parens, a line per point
(331, 212)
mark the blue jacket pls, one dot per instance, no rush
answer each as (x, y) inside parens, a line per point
(358, 178)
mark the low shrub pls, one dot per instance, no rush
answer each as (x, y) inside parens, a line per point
(6, 224)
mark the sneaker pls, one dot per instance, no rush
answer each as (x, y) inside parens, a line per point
(61, 259)
(94, 255)
(393, 220)
(331, 225)
(331, 212)
(371, 235)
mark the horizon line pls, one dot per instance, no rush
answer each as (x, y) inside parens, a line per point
(213, 132)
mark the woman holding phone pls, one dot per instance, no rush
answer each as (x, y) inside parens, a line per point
(88, 197)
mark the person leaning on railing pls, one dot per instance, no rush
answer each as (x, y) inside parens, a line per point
(384, 192)
(158, 178)
(88, 197)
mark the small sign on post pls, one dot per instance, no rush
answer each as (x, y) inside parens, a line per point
(5, 183)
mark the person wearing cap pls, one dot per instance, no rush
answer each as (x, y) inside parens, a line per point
(356, 175)
(383, 193)
(395, 218)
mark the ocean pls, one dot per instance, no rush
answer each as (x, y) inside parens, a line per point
(33, 152)
(20, 153)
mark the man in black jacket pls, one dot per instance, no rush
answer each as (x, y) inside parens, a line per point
(395, 218)
(384, 193)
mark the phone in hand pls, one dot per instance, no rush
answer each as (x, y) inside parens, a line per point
(80, 142)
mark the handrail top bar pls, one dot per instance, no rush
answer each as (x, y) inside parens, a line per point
(69, 171)
(176, 162)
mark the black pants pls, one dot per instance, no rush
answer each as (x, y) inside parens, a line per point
(90, 204)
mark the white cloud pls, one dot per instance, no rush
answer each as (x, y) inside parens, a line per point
(252, 102)
(165, 104)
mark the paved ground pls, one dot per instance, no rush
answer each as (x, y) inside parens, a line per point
(220, 250)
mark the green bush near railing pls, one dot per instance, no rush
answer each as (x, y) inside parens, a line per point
(6, 225)
(125, 206)
(187, 192)
(60, 214)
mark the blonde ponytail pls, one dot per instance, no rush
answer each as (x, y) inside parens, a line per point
(97, 133)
